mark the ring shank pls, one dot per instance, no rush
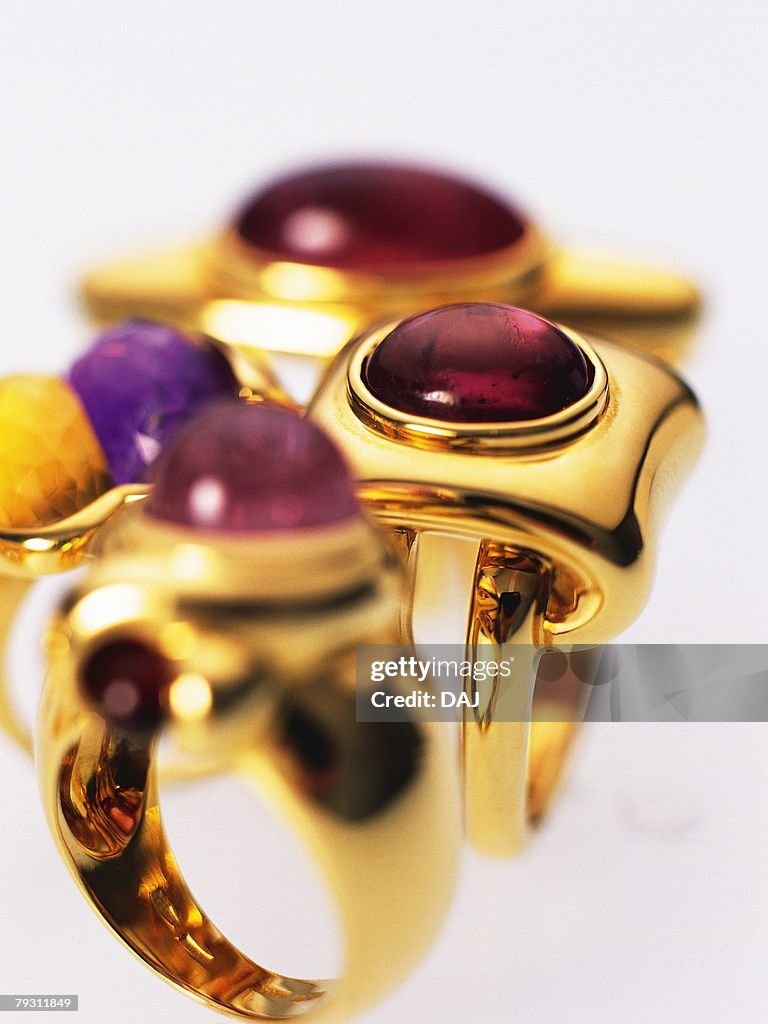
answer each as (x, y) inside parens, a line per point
(515, 746)
(391, 873)
(143, 896)
(13, 591)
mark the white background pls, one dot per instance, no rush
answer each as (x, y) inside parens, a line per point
(645, 898)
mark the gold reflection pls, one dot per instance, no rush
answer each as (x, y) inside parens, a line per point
(280, 328)
(190, 697)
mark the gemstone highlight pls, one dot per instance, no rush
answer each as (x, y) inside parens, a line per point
(51, 464)
(240, 467)
(368, 216)
(127, 680)
(139, 383)
(478, 362)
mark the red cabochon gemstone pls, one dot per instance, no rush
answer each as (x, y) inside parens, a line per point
(258, 468)
(126, 680)
(368, 216)
(478, 362)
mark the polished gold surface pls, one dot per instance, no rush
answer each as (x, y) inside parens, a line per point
(583, 513)
(516, 742)
(27, 554)
(12, 594)
(241, 271)
(237, 294)
(507, 604)
(591, 505)
(650, 308)
(380, 812)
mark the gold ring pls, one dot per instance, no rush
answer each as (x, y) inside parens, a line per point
(223, 614)
(317, 255)
(74, 451)
(554, 455)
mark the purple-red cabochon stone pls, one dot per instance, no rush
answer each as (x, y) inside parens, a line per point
(139, 383)
(478, 362)
(252, 468)
(364, 216)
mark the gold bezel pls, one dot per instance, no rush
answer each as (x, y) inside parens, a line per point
(249, 272)
(500, 437)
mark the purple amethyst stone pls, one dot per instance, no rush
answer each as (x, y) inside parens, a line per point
(139, 383)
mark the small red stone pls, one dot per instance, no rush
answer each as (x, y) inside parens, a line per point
(368, 216)
(126, 680)
(478, 362)
(238, 467)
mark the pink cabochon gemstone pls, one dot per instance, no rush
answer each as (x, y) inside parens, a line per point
(259, 468)
(369, 216)
(478, 362)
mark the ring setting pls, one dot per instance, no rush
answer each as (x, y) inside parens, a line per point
(238, 648)
(475, 418)
(317, 255)
(563, 508)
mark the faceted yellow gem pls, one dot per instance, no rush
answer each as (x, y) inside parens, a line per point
(51, 464)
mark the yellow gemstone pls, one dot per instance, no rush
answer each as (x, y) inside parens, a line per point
(51, 464)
